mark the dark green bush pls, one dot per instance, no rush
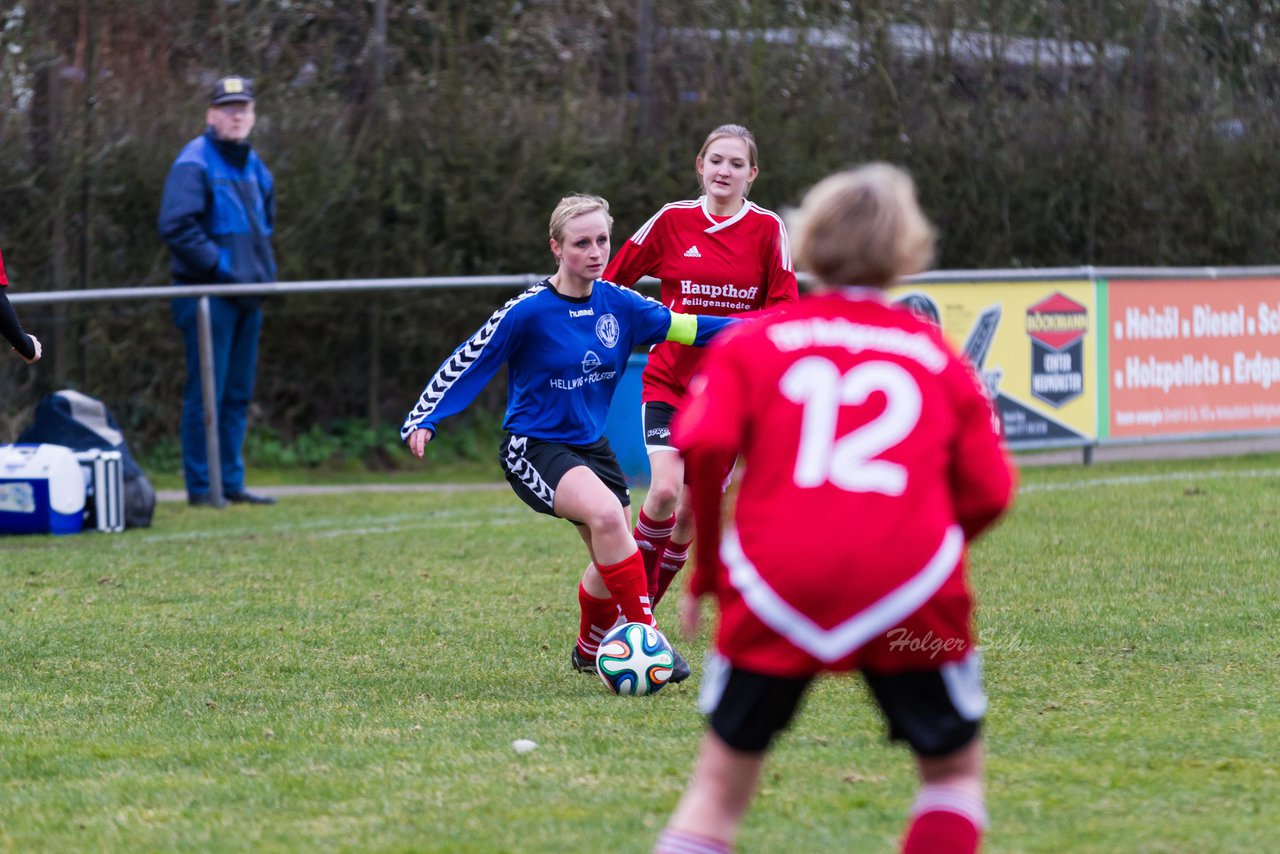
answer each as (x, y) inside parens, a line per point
(1130, 134)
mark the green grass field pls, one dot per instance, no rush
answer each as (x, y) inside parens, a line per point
(347, 673)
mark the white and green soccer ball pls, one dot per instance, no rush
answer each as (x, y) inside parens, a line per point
(635, 659)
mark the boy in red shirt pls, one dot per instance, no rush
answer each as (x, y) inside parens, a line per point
(870, 458)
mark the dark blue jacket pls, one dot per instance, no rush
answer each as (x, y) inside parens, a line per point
(218, 213)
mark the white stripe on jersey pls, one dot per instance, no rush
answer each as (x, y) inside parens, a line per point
(516, 463)
(784, 242)
(643, 231)
(456, 365)
(723, 224)
(833, 644)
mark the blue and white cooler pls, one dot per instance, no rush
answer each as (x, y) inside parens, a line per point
(42, 490)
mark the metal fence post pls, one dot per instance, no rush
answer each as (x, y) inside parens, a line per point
(209, 394)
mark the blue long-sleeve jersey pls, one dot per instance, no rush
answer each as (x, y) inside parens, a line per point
(218, 213)
(564, 357)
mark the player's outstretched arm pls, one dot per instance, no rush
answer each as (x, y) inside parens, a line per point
(697, 329)
(983, 478)
(467, 371)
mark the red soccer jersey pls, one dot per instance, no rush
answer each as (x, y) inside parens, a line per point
(4, 280)
(707, 265)
(869, 457)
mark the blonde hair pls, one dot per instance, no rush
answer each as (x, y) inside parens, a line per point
(862, 227)
(577, 204)
(721, 132)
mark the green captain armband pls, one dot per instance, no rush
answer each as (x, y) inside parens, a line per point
(684, 328)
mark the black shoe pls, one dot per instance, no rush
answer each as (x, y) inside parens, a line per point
(246, 497)
(581, 663)
(680, 670)
(199, 499)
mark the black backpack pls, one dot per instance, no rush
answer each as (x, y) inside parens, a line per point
(81, 423)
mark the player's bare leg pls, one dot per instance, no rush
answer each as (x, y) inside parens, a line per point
(949, 813)
(615, 577)
(711, 809)
(666, 482)
(583, 498)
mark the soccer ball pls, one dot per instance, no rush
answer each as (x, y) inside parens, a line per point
(634, 659)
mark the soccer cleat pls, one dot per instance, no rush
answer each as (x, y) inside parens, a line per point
(581, 663)
(680, 671)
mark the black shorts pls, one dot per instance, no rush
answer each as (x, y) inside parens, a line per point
(937, 712)
(657, 418)
(534, 468)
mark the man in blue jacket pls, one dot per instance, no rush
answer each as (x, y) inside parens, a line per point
(217, 216)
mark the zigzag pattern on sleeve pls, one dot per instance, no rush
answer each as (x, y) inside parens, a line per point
(458, 363)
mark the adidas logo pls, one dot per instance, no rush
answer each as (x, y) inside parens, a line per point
(692, 252)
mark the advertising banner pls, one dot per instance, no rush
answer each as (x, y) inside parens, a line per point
(1034, 343)
(1193, 357)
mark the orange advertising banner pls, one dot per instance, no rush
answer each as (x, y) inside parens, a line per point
(1196, 356)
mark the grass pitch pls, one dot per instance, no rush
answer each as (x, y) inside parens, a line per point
(347, 673)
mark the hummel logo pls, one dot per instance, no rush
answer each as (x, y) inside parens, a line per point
(692, 252)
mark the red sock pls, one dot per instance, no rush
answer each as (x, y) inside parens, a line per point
(651, 538)
(626, 582)
(596, 617)
(945, 820)
(673, 560)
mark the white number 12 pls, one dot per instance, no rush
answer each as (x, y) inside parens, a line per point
(850, 461)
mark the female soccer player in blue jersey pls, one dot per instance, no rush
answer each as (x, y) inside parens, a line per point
(565, 342)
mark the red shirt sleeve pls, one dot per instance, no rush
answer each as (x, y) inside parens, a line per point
(709, 430)
(633, 260)
(780, 275)
(982, 474)
(4, 280)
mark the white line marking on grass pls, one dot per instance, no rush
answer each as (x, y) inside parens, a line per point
(349, 488)
(332, 528)
(1130, 480)
(393, 529)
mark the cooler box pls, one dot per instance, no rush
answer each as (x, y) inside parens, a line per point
(42, 490)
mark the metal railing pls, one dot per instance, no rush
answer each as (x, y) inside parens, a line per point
(203, 292)
(208, 385)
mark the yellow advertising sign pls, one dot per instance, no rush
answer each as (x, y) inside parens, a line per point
(1034, 345)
